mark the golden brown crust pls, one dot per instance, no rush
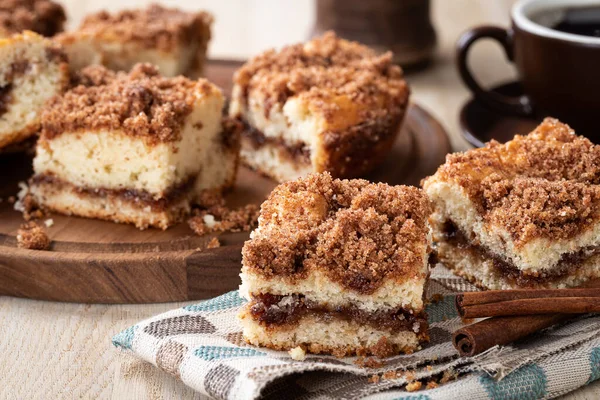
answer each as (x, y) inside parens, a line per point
(357, 150)
(42, 16)
(154, 27)
(545, 184)
(358, 233)
(381, 349)
(141, 104)
(16, 138)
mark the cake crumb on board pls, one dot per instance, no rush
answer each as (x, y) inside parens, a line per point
(213, 244)
(213, 216)
(32, 236)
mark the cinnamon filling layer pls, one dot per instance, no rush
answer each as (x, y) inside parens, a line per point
(5, 98)
(568, 263)
(298, 152)
(274, 310)
(15, 70)
(140, 198)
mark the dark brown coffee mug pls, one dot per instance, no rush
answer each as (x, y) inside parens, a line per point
(559, 71)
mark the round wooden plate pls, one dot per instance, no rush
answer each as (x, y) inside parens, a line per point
(92, 261)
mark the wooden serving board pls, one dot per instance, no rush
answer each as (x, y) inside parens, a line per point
(92, 261)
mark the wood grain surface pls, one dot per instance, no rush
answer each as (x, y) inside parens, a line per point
(92, 261)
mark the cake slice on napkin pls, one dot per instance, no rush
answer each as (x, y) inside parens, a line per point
(338, 267)
(525, 214)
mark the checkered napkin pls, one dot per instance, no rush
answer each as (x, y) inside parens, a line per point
(202, 345)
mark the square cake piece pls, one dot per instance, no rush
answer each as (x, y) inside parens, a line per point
(45, 17)
(326, 105)
(32, 71)
(338, 267)
(173, 40)
(135, 148)
(525, 214)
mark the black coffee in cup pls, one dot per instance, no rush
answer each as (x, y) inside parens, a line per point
(583, 21)
(555, 46)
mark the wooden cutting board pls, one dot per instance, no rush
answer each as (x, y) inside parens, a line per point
(93, 261)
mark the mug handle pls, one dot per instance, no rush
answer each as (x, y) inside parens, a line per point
(520, 105)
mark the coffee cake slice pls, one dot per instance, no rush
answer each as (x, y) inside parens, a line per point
(326, 105)
(134, 148)
(32, 70)
(45, 17)
(525, 214)
(172, 39)
(338, 267)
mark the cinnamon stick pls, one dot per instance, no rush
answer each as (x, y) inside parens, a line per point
(528, 302)
(494, 296)
(534, 306)
(481, 336)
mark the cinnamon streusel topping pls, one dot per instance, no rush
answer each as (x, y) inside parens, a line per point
(141, 103)
(544, 184)
(358, 233)
(42, 16)
(344, 81)
(155, 26)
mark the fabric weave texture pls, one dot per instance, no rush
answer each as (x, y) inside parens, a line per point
(202, 345)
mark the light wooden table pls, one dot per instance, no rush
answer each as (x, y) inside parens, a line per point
(55, 351)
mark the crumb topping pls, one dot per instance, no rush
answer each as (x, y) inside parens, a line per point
(358, 233)
(344, 81)
(141, 103)
(544, 184)
(42, 16)
(154, 27)
(33, 237)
